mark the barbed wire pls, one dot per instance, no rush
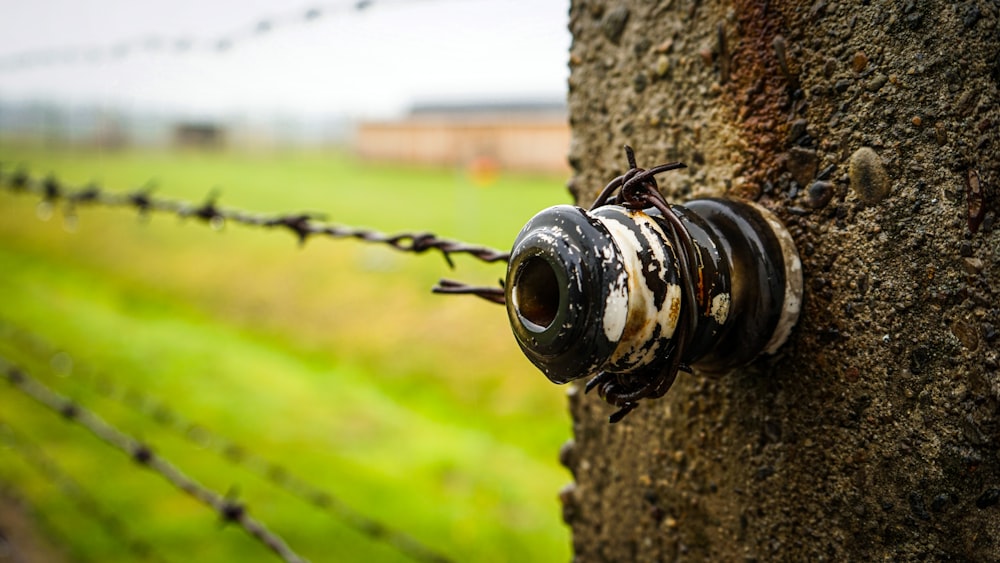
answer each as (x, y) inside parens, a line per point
(228, 509)
(200, 435)
(302, 225)
(88, 505)
(181, 44)
(453, 287)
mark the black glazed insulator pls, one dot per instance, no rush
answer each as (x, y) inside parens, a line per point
(601, 291)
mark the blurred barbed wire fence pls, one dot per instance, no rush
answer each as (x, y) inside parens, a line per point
(182, 44)
(46, 466)
(303, 225)
(229, 509)
(201, 436)
(54, 196)
(57, 196)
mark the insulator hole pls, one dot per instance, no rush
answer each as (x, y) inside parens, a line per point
(536, 292)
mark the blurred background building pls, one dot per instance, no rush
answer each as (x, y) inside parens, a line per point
(525, 136)
(509, 135)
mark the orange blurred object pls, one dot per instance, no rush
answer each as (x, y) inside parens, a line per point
(484, 171)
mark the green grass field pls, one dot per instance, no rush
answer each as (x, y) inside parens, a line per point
(332, 359)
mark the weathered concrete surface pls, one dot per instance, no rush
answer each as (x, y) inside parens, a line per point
(876, 432)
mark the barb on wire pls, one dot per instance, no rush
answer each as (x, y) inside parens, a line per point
(302, 225)
(489, 293)
(229, 509)
(178, 44)
(88, 505)
(200, 435)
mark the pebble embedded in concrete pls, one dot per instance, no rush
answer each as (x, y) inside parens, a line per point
(613, 23)
(867, 176)
(877, 82)
(859, 62)
(819, 194)
(802, 163)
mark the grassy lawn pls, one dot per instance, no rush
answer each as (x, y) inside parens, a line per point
(332, 360)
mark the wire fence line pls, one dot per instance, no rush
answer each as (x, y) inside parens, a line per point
(302, 225)
(228, 509)
(45, 466)
(181, 44)
(54, 194)
(198, 434)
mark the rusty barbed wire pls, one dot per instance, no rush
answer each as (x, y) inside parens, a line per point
(199, 435)
(637, 189)
(302, 225)
(143, 454)
(88, 505)
(181, 44)
(489, 293)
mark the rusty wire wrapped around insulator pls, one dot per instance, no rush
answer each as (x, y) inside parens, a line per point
(634, 289)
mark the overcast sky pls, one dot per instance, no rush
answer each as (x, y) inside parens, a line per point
(339, 60)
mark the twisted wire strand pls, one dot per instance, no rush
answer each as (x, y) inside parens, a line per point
(489, 293)
(637, 189)
(228, 509)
